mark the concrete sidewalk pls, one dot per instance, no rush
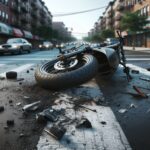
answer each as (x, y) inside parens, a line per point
(141, 49)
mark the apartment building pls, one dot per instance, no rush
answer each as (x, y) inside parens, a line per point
(61, 29)
(143, 6)
(22, 16)
(112, 15)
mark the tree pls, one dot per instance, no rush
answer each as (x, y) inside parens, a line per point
(133, 23)
(107, 33)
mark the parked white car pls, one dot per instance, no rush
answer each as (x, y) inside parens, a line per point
(15, 45)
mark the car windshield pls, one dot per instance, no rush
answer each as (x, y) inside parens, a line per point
(11, 41)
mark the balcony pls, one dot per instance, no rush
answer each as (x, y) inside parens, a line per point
(120, 7)
(25, 19)
(118, 17)
(34, 15)
(34, 4)
(15, 8)
(117, 25)
(24, 8)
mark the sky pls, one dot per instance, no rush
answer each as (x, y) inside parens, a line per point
(80, 23)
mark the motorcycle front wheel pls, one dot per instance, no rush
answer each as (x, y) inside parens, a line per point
(56, 75)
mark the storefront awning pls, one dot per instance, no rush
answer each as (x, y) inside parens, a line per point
(27, 34)
(17, 32)
(5, 29)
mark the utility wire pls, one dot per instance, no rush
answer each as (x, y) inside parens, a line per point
(78, 12)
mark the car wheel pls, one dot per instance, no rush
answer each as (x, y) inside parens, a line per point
(20, 50)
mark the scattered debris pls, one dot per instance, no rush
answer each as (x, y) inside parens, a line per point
(145, 79)
(10, 101)
(32, 106)
(135, 71)
(26, 97)
(11, 75)
(1, 108)
(99, 100)
(10, 122)
(20, 79)
(132, 106)
(56, 131)
(103, 123)
(21, 135)
(140, 92)
(2, 78)
(84, 123)
(49, 115)
(31, 69)
(6, 127)
(76, 105)
(122, 111)
(18, 104)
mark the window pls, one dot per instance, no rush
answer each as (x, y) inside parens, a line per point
(6, 16)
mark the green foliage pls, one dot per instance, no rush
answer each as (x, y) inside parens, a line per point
(107, 33)
(100, 36)
(48, 33)
(133, 22)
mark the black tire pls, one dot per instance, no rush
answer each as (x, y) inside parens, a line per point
(21, 50)
(67, 79)
(11, 75)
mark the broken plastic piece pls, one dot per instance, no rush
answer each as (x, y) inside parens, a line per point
(31, 106)
(84, 123)
(56, 131)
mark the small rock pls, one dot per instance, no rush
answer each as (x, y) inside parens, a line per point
(26, 97)
(28, 71)
(103, 123)
(6, 127)
(11, 75)
(20, 83)
(21, 135)
(132, 106)
(10, 101)
(135, 71)
(31, 69)
(20, 79)
(122, 110)
(1, 108)
(2, 78)
(18, 104)
(10, 122)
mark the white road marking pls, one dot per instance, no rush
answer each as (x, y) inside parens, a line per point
(30, 59)
(2, 65)
(19, 69)
(137, 59)
(142, 70)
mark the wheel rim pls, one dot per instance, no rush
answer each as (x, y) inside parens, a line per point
(60, 65)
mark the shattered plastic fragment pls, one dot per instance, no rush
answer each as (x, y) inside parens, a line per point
(31, 106)
(122, 110)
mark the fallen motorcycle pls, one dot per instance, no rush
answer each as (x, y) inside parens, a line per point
(78, 65)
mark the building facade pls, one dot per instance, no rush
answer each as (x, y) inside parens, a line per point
(112, 16)
(24, 16)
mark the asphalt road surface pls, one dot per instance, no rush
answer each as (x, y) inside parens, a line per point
(134, 121)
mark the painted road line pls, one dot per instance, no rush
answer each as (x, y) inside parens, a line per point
(2, 65)
(30, 59)
(138, 59)
(142, 70)
(100, 137)
(19, 69)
